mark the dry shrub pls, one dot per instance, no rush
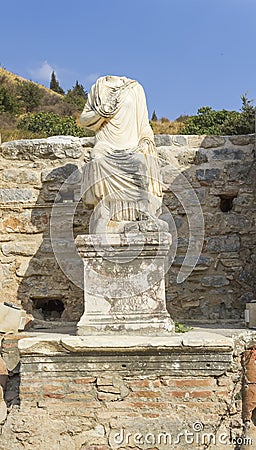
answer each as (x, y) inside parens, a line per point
(7, 120)
(167, 127)
(15, 134)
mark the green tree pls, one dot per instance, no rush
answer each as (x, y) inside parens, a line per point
(247, 118)
(30, 95)
(77, 97)
(51, 124)
(8, 102)
(154, 116)
(55, 85)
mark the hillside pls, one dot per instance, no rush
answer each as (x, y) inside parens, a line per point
(15, 86)
(30, 110)
(16, 93)
(11, 79)
(20, 97)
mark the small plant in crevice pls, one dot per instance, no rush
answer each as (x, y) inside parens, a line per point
(182, 328)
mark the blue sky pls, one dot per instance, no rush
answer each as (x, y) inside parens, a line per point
(185, 53)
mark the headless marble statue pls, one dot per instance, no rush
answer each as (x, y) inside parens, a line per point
(124, 254)
(122, 180)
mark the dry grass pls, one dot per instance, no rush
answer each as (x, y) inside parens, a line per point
(166, 126)
(12, 79)
(15, 134)
(12, 134)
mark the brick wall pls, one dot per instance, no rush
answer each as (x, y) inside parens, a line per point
(136, 405)
(75, 395)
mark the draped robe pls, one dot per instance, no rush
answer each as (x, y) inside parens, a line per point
(123, 171)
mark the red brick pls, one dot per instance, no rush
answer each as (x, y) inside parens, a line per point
(139, 383)
(177, 394)
(192, 382)
(53, 395)
(52, 387)
(147, 394)
(85, 380)
(150, 415)
(190, 393)
(200, 394)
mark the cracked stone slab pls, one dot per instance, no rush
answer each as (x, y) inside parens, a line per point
(205, 339)
(60, 343)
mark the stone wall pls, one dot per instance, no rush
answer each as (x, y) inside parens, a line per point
(221, 170)
(140, 393)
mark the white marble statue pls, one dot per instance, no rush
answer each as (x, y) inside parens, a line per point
(123, 175)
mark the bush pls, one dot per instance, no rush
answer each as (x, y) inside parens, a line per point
(8, 103)
(51, 124)
(211, 122)
(31, 95)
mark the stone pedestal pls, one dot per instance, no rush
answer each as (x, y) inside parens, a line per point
(124, 288)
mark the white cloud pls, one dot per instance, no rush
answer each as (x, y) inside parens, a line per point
(43, 72)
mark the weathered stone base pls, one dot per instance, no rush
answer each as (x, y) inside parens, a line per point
(158, 326)
(173, 355)
(124, 284)
(140, 393)
(99, 393)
